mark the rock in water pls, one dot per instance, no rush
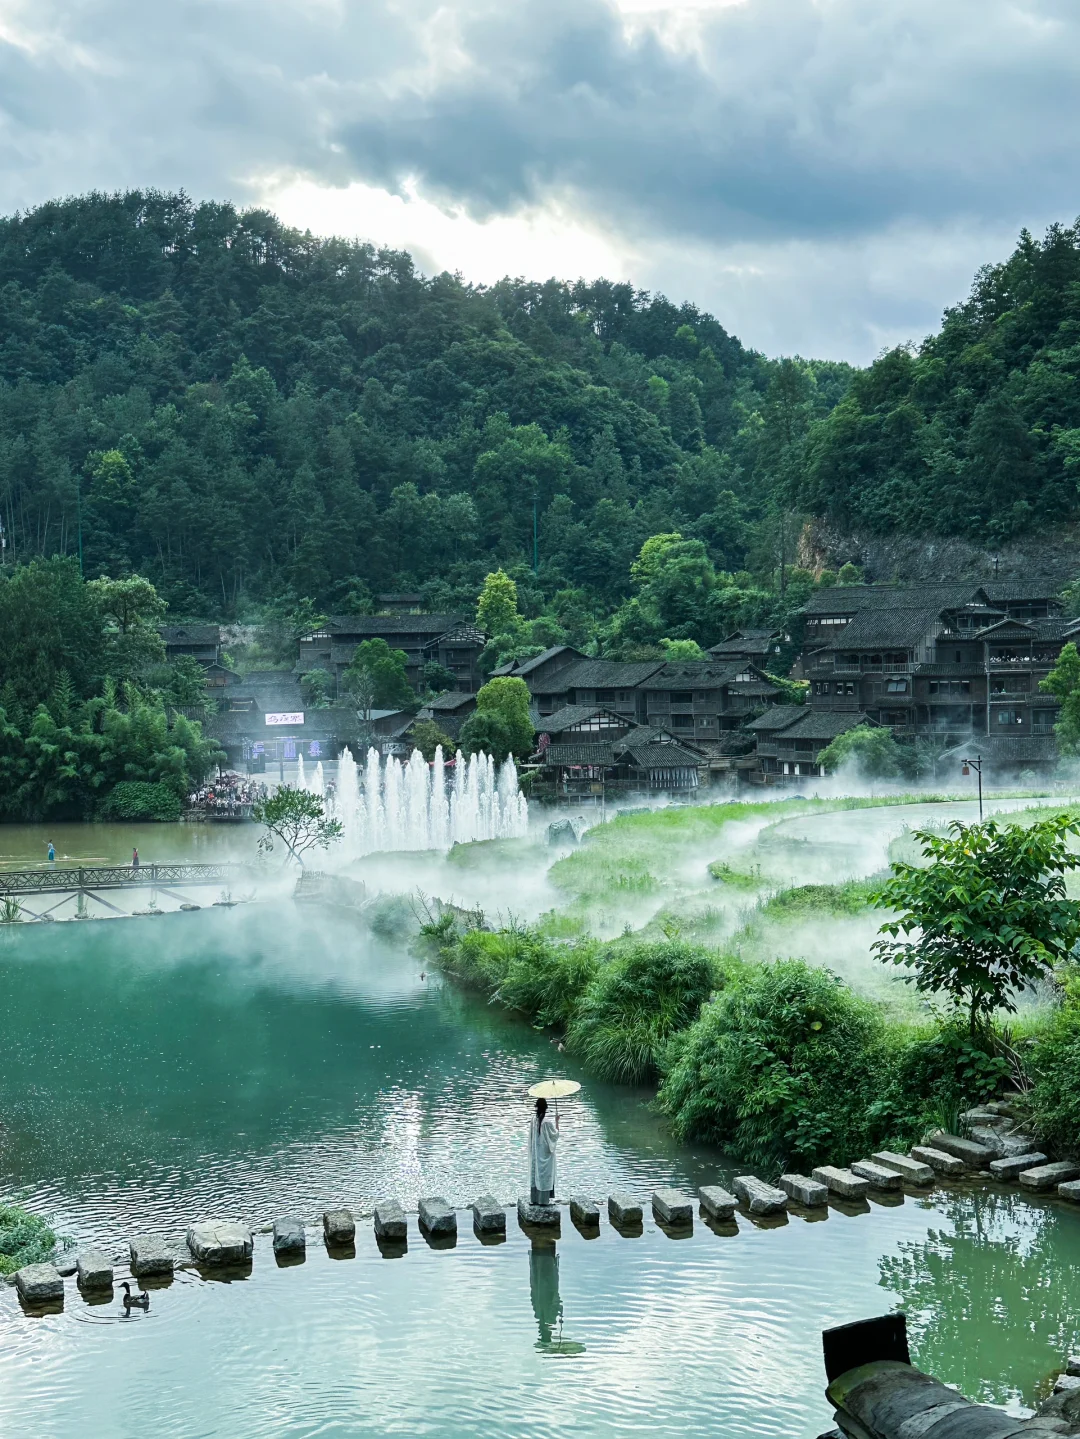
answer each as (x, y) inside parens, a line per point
(220, 1241)
(489, 1217)
(339, 1226)
(716, 1202)
(390, 1222)
(808, 1192)
(289, 1237)
(38, 1283)
(672, 1207)
(149, 1256)
(759, 1197)
(623, 1211)
(436, 1216)
(94, 1269)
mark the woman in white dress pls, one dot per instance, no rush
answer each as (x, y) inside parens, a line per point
(543, 1137)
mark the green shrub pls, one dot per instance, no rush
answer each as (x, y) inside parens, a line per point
(641, 995)
(1054, 1063)
(546, 980)
(138, 800)
(782, 1068)
(24, 1238)
(851, 897)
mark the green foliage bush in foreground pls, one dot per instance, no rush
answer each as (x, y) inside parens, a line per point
(1054, 1062)
(24, 1238)
(133, 799)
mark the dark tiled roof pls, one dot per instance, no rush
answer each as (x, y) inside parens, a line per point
(780, 717)
(1039, 587)
(758, 645)
(579, 754)
(373, 626)
(604, 674)
(825, 724)
(696, 674)
(571, 715)
(196, 634)
(856, 599)
(1009, 749)
(894, 627)
(524, 667)
(449, 701)
(660, 755)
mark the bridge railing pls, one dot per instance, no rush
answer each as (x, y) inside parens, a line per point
(118, 876)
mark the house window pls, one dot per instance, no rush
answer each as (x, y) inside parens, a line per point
(605, 697)
(682, 721)
(681, 697)
(706, 720)
(1009, 717)
(896, 687)
(849, 688)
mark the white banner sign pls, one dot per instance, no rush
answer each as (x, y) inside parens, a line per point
(285, 719)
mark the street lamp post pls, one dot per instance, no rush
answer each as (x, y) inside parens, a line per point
(975, 764)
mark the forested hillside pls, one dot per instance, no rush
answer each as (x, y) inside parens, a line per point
(243, 412)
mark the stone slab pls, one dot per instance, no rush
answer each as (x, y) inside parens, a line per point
(289, 1237)
(38, 1283)
(436, 1216)
(938, 1160)
(390, 1221)
(1064, 1382)
(759, 1197)
(913, 1171)
(66, 1265)
(879, 1176)
(339, 1226)
(841, 1181)
(808, 1192)
(489, 1217)
(1072, 1364)
(585, 1212)
(623, 1210)
(94, 1270)
(672, 1206)
(220, 1241)
(1015, 1165)
(1049, 1176)
(971, 1154)
(149, 1256)
(716, 1202)
(538, 1216)
(1001, 1144)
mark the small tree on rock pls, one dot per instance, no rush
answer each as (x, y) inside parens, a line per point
(298, 819)
(987, 915)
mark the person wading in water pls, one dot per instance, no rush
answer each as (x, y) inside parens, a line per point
(543, 1137)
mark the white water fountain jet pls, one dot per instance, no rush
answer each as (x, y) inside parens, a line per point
(395, 806)
(318, 784)
(301, 782)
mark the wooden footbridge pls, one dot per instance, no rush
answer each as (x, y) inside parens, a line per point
(84, 882)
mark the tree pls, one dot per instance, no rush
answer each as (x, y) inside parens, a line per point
(497, 607)
(485, 732)
(508, 699)
(436, 679)
(871, 752)
(131, 610)
(315, 686)
(989, 911)
(1064, 681)
(379, 671)
(427, 736)
(298, 819)
(682, 650)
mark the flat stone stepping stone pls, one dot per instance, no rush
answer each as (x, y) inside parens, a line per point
(938, 1160)
(1049, 1176)
(289, 1237)
(220, 1241)
(489, 1217)
(716, 1202)
(538, 1216)
(624, 1211)
(809, 1192)
(585, 1212)
(972, 1154)
(94, 1270)
(877, 1174)
(1070, 1190)
(842, 1181)
(1013, 1167)
(149, 1256)
(390, 1221)
(759, 1197)
(672, 1206)
(38, 1283)
(436, 1216)
(339, 1226)
(914, 1171)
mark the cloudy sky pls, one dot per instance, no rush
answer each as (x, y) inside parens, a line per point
(824, 175)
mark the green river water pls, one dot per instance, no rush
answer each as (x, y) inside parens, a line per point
(267, 1060)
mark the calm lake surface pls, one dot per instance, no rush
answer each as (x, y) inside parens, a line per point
(267, 1060)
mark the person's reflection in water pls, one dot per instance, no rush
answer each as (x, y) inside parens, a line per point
(544, 1288)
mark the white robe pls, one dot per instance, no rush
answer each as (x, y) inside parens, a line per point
(542, 1142)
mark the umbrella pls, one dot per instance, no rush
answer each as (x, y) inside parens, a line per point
(555, 1089)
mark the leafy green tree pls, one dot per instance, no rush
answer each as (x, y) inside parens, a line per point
(1064, 681)
(989, 911)
(486, 732)
(427, 736)
(436, 679)
(49, 622)
(131, 610)
(183, 684)
(315, 687)
(497, 607)
(682, 650)
(871, 752)
(378, 671)
(297, 818)
(508, 699)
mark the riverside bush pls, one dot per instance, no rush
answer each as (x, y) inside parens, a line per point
(782, 1068)
(641, 995)
(135, 800)
(1054, 1063)
(523, 970)
(24, 1238)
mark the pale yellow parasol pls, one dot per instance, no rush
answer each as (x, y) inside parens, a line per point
(554, 1089)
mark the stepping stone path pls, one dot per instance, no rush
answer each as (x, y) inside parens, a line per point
(289, 1237)
(759, 1197)
(716, 1202)
(538, 1216)
(339, 1226)
(1011, 1168)
(623, 1211)
(585, 1212)
(38, 1283)
(974, 1156)
(217, 1241)
(877, 1174)
(842, 1182)
(914, 1171)
(938, 1160)
(149, 1256)
(1049, 1176)
(390, 1222)
(94, 1269)
(489, 1217)
(672, 1207)
(436, 1216)
(808, 1192)
(1071, 1190)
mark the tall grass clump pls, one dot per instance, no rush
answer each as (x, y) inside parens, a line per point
(518, 967)
(782, 1068)
(853, 896)
(1053, 1060)
(24, 1238)
(641, 995)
